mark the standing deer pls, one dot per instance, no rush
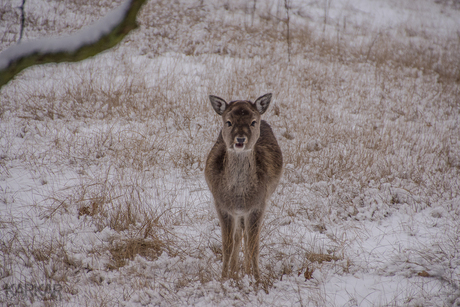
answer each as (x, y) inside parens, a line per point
(242, 171)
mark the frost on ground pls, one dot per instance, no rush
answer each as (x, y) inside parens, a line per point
(102, 191)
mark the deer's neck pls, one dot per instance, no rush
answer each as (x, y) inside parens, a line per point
(240, 170)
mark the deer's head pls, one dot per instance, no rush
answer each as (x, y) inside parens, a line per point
(241, 120)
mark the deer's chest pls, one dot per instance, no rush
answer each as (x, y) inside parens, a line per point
(240, 177)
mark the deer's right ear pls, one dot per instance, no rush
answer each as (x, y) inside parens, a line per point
(218, 104)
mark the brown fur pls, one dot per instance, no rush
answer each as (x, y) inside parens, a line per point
(241, 180)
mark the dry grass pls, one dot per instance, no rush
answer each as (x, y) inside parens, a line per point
(124, 251)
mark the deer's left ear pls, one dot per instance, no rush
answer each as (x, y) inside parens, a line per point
(263, 102)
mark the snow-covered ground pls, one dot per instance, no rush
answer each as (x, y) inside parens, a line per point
(102, 193)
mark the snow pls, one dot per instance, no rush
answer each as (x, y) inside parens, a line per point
(110, 151)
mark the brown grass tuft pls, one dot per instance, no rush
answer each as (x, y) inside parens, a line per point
(128, 249)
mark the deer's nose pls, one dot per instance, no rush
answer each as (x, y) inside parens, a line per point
(240, 140)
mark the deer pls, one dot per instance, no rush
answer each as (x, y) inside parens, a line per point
(242, 171)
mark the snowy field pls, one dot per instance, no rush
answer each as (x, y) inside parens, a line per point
(103, 200)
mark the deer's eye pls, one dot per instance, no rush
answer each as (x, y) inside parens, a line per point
(229, 124)
(253, 123)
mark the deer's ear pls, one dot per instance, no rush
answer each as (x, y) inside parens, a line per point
(219, 105)
(263, 102)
